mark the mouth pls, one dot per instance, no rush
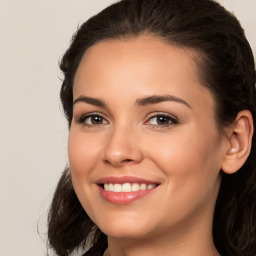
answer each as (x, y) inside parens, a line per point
(124, 190)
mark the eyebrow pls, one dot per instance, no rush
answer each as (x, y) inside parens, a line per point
(89, 100)
(154, 99)
(149, 100)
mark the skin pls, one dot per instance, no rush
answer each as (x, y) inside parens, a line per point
(184, 156)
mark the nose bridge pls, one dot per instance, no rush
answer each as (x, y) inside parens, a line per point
(122, 146)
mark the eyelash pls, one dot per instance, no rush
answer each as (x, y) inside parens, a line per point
(82, 120)
(171, 119)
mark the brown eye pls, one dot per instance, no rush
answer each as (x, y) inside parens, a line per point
(92, 120)
(96, 119)
(162, 120)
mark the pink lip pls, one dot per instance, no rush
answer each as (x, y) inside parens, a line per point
(124, 197)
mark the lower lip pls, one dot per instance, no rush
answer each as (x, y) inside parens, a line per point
(123, 197)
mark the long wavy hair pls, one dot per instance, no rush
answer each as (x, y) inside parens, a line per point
(227, 69)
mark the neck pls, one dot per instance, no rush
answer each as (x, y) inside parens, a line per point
(198, 246)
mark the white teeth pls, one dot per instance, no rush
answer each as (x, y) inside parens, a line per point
(127, 187)
(117, 188)
(151, 186)
(143, 187)
(135, 187)
(110, 187)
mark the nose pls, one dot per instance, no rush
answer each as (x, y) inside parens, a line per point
(122, 147)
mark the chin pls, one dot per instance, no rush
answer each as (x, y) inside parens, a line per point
(120, 228)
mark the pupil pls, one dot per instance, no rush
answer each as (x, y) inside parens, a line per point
(162, 120)
(96, 120)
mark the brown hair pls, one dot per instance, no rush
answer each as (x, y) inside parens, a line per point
(227, 70)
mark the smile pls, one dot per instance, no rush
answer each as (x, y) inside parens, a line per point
(128, 187)
(125, 190)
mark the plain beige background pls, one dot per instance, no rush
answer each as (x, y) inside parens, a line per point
(33, 132)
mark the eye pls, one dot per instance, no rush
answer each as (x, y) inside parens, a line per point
(162, 120)
(92, 120)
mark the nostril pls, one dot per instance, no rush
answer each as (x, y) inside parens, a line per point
(127, 160)
(117, 162)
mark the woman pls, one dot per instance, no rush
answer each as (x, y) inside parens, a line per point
(160, 100)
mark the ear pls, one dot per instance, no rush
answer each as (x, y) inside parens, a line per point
(239, 137)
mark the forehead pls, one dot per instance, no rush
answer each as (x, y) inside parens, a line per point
(140, 53)
(147, 63)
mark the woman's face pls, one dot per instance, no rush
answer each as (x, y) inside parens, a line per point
(144, 127)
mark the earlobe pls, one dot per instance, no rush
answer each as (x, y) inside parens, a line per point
(239, 142)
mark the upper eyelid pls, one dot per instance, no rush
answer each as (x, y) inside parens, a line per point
(93, 113)
(153, 114)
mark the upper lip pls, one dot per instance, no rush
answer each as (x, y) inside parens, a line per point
(124, 179)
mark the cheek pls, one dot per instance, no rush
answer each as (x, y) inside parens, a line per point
(83, 153)
(83, 156)
(188, 158)
(191, 166)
